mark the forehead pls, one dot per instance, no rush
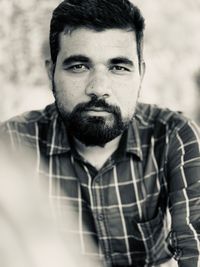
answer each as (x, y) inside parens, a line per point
(98, 45)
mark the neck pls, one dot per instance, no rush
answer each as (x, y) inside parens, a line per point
(97, 155)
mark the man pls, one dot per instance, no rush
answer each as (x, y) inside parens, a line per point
(121, 163)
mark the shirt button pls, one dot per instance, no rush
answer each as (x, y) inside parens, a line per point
(100, 217)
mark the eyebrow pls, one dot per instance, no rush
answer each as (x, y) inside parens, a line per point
(121, 60)
(84, 59)
(76, 58)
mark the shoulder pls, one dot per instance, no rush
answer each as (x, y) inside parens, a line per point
(25, 127)
(167, 125)
(26, 120)
(154, 116)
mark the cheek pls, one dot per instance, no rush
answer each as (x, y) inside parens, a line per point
(127, 96)
(70, 84)
(64, 93)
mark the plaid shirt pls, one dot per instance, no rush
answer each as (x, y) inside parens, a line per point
(124, 205)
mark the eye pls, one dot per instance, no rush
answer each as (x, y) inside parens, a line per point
(119, 69)
(78, 68)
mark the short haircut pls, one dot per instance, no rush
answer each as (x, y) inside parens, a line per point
(98, 15)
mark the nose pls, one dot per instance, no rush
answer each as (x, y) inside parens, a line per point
(98, 85)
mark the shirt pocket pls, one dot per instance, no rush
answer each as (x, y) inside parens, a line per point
(153, 236)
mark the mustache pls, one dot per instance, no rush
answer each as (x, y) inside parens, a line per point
(97, 103)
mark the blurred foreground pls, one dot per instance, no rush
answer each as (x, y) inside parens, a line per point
(29, 233)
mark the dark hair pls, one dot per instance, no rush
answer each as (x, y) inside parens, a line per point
(98, 15)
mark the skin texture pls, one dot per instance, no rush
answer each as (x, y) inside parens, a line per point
(101, 65)
(94, 72)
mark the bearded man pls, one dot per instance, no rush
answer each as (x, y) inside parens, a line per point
(121, 164)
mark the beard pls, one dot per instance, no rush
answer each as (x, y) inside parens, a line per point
(89, 129)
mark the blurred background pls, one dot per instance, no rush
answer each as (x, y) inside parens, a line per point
(172, 55)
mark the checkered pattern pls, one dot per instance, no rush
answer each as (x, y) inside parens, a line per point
(123, 206)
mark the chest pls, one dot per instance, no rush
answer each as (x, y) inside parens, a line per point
(128, 184)
(120, 203)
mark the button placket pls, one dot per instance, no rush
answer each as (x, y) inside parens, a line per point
(100, 216)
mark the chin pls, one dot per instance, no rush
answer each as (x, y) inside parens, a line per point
(96, 131)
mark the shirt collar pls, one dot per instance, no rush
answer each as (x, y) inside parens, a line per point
(58, 140)
(133, 144)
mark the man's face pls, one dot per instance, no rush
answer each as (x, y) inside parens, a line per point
(96, 83)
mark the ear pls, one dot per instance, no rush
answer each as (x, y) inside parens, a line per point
(49, 68)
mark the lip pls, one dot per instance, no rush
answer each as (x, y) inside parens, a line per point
(97, 112)
(96, 109)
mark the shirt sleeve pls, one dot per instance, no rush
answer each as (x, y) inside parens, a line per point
(183, 167)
